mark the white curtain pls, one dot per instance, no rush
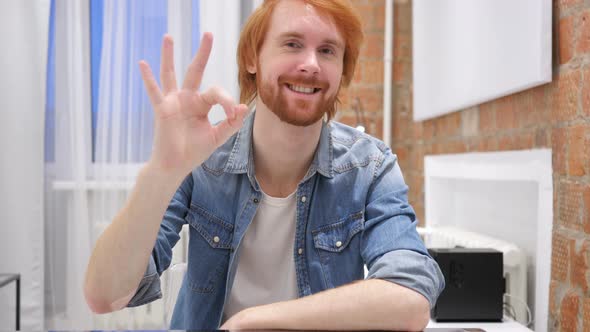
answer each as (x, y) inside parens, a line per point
(132, 31)
(124, 122)
(95, 160)
(67, 208)
(223, 19)
(22, 94)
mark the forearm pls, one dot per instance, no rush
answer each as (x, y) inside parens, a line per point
(367, 305)
(121, 254)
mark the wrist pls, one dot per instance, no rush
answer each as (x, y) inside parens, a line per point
(253, 318)
(160, 170)
(162, 175)
(267, 316)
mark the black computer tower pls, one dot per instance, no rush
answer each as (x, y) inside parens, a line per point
(474, 285)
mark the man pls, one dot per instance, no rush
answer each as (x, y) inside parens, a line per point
(284, 214)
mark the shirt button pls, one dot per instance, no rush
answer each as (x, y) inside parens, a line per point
(256, 200)
(216, 239)
(303, 199)
(300, 251)
(338, 244)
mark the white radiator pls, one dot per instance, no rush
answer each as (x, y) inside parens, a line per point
(515, 263)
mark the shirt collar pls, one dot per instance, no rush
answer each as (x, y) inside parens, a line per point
(241, 159)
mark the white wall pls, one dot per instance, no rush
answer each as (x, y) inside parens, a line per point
(23, 36)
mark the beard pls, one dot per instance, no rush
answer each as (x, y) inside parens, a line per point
(299, 112)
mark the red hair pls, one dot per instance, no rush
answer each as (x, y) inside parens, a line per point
(254, 32)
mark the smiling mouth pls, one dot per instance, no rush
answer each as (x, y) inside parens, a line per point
(302, 89)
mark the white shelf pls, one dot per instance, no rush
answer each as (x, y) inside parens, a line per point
(506, 195)
(507, 325)
(92, 185)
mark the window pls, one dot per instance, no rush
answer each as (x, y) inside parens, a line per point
(122, 117)
(50, 90)
(121, 32)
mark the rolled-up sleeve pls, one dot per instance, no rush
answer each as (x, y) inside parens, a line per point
(149, 288)
(411, 270)
(391, 246)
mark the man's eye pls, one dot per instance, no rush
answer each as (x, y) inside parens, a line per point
(327, 51)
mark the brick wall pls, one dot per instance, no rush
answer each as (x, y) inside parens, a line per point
(367, 84)
(555, 115)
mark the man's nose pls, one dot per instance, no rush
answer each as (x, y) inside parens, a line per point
(309, 63)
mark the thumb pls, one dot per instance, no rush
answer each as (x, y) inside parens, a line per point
(224, 130)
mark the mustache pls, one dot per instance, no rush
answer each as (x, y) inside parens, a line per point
(304, 80)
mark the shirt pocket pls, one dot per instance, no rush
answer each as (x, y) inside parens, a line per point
(338, 247)
(209, 248)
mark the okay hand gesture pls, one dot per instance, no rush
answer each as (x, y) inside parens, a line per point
(183, 135)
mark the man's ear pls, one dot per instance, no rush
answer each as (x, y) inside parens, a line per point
(251, 68)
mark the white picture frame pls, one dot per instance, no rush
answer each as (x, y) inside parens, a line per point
(466, 52)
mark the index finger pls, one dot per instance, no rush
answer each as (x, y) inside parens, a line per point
(194, 74)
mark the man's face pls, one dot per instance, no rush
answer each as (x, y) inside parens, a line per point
(300, 64)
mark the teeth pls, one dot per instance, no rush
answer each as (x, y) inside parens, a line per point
(301, 89)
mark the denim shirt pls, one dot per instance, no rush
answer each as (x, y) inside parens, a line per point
(352, 210)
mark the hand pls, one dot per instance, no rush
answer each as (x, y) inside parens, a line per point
(183, 136)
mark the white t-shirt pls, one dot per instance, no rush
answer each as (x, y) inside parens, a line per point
(266, 268)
